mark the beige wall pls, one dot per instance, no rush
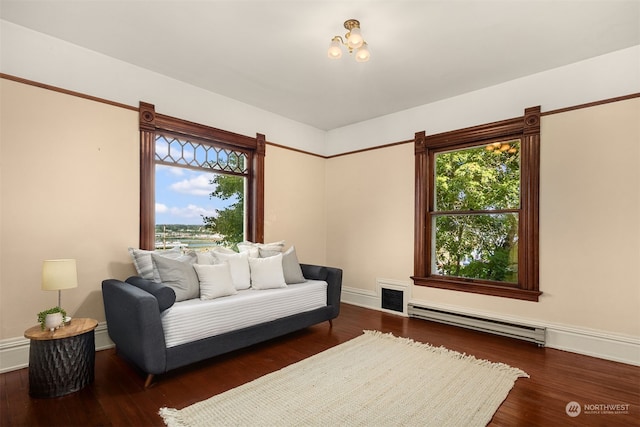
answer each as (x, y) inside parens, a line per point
(370, 215)
(70, 189)
(295, 202)
(589, 222)
(69, 169)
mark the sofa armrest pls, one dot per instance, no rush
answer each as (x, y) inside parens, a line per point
(333, 277)
(134, 325)
(314, 272)
(165, 295)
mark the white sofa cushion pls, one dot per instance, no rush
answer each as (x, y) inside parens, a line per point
(254, 248)
(266, 273)
(195, 319)
(290, 265)
(239, 264)
(215, 281)
(209, 256)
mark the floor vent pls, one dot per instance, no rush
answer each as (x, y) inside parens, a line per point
(393, 300)
(521, 331)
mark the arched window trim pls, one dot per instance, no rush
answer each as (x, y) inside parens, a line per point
(151, 123)
(527, 129)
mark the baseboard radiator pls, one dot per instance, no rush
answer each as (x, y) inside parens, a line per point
(534, 334)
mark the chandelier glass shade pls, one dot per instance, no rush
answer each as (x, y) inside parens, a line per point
(510, 147)
(353, 41)
(362, 54)
(335, 51)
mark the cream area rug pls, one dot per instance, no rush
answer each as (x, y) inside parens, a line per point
(373, 380)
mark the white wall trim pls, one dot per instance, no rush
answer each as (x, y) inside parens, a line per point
(360, 297)
(608, 346)
(588, 342)
(14, 352)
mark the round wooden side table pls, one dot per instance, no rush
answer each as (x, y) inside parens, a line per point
(61, 361)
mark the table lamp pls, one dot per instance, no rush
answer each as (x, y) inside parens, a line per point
(58, 274)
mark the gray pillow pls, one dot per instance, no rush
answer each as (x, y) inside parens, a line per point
(144, 265)
(179, 275)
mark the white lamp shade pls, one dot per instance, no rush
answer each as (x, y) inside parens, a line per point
(334, 52)
(59, 274)
(355, 39)
(363, 54)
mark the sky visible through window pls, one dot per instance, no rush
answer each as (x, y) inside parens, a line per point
(182, 196)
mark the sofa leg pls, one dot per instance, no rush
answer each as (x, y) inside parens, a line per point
(330, 323)
(147, 382)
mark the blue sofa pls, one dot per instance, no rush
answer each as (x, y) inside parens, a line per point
(133, 310)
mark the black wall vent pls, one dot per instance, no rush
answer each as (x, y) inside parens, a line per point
(392, 300)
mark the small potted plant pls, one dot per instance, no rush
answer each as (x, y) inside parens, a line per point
(52, 318)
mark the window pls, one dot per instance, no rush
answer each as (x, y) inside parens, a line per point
(476, 224)
(167, 142)
(199, 193)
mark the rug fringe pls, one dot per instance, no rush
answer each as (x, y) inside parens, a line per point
(171, 417)
(443, 350)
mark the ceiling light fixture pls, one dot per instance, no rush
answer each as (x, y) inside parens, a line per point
(354, 41)
(501, 147)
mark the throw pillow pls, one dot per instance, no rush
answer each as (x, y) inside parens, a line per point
(205, 258)
(254, 248)
(165, 295)
(179, 275)
(144, 265)
(239, 265)
(266, 273)
(209, 257)
(290, 265)
(223, 250)
(215, 281)
(266, 253)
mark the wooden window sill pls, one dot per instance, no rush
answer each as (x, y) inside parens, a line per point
(477, 288)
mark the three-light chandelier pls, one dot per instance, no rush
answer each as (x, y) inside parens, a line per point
(353, 40)
(510, 147)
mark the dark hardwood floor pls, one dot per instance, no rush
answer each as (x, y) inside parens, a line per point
(118, 398)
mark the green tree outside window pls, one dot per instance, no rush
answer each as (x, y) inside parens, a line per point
(475, 218)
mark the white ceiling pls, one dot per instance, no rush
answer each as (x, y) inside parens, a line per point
(272, 54)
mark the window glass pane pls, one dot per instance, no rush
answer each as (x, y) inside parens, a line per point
(174, 151)
(479, 178)
(198, 209)
(476, 246)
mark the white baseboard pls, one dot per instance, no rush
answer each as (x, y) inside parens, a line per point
(14, 352)
(603, 345)
(360, 297)
(594, 343)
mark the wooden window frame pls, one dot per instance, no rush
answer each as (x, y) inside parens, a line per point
(151, 123)
(525, 128)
